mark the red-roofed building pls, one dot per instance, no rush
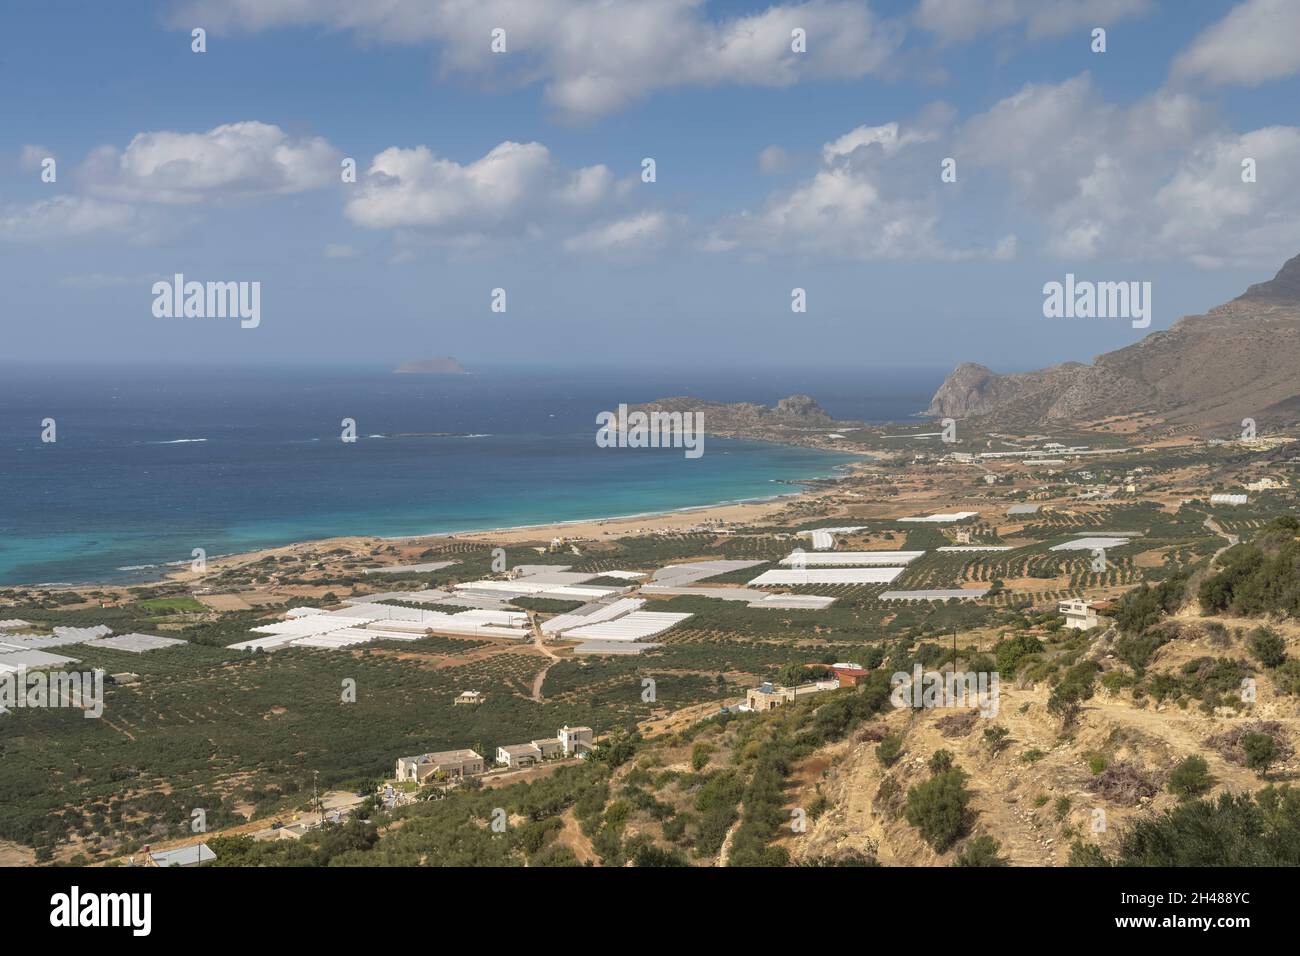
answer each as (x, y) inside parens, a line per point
(849, 676)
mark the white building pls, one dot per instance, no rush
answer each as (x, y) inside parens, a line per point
(515, 756)
(449, 763)
(1266, 484)
(575, 739)
(1078, 614)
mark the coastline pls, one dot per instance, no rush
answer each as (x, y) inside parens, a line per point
(726, 513)
(720, 514)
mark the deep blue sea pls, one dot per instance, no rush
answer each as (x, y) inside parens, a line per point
(149, 465)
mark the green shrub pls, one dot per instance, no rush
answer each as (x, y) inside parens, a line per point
(1260, 750)
(981, 851)
(700, 754)
(940, 761)
(889, 750)
(938, 808)
(1268, 647)
(1190, 778)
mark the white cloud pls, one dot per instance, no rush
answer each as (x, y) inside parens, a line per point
(515, 188)
(115, 188)
(961, 20)
(887, 137)
(232, 161)
(594, 57)
(869, 199)
(636, 233)
(1257, 41)
(1154, 180)
(66, 217)
(1247, 222)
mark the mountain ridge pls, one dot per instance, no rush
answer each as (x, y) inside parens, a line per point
(1235, 361)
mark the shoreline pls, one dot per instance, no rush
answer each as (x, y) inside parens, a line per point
(726, 512)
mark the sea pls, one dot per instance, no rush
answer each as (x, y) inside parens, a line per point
(148, 465)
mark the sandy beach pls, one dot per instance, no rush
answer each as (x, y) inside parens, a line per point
(714, 517)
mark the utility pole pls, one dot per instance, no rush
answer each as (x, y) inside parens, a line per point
(320, 807)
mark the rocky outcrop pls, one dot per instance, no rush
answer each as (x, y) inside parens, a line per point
(1283, 287)
(800, 411)
(794, 420)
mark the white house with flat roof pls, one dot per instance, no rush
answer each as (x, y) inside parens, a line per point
(1078, 614)
(449, 763)
(515, 756)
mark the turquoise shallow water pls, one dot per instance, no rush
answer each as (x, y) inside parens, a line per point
(149, 466)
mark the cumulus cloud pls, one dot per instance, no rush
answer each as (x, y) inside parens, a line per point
(636, 233)
(960, 20)
(66, 217)
(873, 196)
(237, 160)
(1257, 41)
(887, 137)
(1157, 179)
(516, 189)
(1210, 216)
(594, 57)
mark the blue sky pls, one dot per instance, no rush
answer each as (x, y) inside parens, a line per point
(521, 171)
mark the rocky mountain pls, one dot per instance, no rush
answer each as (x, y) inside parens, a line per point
(1238, 360)
(444, 365)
